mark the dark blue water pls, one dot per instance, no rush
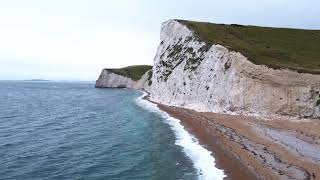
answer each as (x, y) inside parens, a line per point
(52, 130)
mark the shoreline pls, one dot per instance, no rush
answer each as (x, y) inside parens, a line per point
(203, 160)
(233, 168)
(250, 148)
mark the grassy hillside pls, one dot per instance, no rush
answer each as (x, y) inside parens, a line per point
(133, 72)
(294, 49)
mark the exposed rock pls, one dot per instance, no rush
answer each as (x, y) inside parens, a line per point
(108, 79)
(190, 73)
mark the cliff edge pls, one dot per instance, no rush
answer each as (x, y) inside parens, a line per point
(133, 77)
(232, 69)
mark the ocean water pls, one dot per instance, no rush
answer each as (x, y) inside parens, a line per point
(54, 130)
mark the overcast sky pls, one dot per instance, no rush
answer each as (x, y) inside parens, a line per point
(75, 39)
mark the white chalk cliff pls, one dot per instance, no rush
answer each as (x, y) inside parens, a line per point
(108, 79)
(192, 74)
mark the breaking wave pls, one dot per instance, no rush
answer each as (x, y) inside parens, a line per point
(202, 159)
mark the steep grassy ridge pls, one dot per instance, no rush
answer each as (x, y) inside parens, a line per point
(133, 72)
(294, 49)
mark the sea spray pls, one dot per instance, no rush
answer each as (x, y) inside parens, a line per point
(202, 159)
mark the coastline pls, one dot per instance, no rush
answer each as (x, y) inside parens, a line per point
(203, 160)
(232, 167)
(251, 148)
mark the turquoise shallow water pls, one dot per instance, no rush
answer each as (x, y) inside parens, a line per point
(51, 130)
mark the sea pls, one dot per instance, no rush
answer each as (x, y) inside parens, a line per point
(71, 130)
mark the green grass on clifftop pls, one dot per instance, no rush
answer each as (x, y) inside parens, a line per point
(133, 72)
(279, 48)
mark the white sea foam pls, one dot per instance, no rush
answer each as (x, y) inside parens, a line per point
(202, 159)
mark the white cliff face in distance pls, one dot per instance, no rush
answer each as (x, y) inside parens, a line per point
(108, 79)
(111, 80)
(210, 78)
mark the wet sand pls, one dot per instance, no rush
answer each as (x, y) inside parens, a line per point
(249, 148)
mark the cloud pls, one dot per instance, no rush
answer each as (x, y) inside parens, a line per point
(46, 37)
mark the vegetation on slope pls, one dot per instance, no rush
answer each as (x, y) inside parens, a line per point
(133, 72)
(279, 48)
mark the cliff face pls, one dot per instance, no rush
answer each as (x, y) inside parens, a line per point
(190, 73)
(108, 79)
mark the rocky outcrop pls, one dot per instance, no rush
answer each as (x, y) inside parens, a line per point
(108, 79)
(193, 74)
